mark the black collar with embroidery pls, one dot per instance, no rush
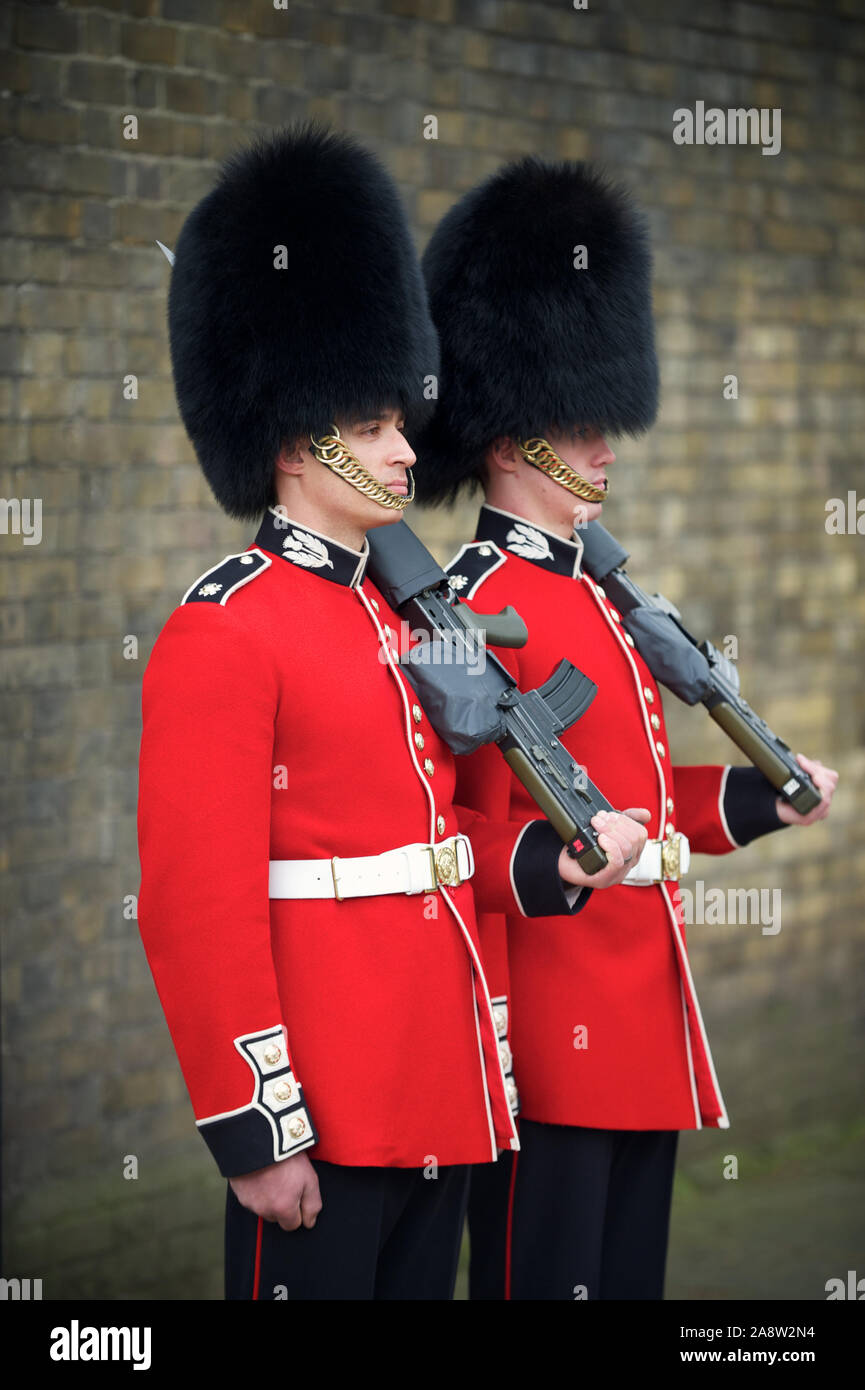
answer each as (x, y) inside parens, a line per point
(311, 550)
(516, 536)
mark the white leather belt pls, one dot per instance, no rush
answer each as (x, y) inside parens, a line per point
(661, 860)
(410, 869)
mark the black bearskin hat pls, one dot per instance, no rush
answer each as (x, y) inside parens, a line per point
(530, 344)
(262, 354)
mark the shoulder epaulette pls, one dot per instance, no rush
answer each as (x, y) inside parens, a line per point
(471, 565)
(218, 584)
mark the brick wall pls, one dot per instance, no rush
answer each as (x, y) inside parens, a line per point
(760, 273)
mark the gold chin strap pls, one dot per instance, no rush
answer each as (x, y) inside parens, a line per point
(539, 452)
(332, 452)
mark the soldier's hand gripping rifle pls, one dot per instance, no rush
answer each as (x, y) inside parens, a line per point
(695, 671)
(471, 702)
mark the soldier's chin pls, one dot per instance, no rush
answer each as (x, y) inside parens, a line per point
(376, 514)
(586, 512)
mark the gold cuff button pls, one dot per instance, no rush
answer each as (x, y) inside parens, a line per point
(282, 1091)
(272, 1054)
(297, 1128)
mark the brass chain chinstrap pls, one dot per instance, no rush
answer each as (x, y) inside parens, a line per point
(544, 457)
(332, 451)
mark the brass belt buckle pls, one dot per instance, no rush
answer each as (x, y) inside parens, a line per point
(443, 866)
(670, 856)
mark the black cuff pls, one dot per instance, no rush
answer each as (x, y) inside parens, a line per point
(246, 1142)
(536, 874)
(749, 805)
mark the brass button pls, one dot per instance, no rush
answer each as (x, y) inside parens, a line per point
(661, 749)
(246, 559)
(505, 1055)
(418, 738)
(614, 615)
(428, 766)
(649, 694)
(511, 1092)
(417, 713)
(440, 825)
(387, 631)
(484, 550)
(499, 1020)
(602, 592)
(282, 1090)
(629, 639)
(669, 828)
(297, 1127)
(655, 721)
(670, 805)
(272, 1054)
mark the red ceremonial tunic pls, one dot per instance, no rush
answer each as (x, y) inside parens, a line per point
(277, 725)
(605, 1025)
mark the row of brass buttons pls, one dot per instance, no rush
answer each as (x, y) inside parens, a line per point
(417, 715)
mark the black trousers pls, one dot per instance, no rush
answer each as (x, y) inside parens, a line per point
(577, 1213)
(382, 1233)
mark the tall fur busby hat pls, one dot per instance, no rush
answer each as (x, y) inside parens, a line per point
(530, 343)
(296, 298)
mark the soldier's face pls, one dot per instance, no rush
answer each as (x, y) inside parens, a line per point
(383, 450)
(589, 454)
(313, 492)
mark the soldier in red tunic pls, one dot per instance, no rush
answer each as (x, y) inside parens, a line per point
(307, 890)
(539, 284)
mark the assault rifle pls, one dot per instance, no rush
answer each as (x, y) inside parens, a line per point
(470, 698)
(695, 671)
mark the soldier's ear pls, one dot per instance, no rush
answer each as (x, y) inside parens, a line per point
(502, 456)
(290, 457)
